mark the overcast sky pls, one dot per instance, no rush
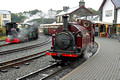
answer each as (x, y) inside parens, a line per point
(16, 6)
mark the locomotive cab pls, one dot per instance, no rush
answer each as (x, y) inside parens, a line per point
(11, 27)
(12, 32)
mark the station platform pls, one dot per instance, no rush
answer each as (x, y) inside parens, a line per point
(105, 65)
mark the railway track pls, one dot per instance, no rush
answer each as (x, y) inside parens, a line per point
(42, 73)
(46, 72)
(50, 70)
(1, 40)
(14, 63)
(5, 44)
(26, 48)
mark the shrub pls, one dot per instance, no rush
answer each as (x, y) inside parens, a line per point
(2, 30)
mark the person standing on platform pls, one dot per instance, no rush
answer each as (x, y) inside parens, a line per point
(119, 37)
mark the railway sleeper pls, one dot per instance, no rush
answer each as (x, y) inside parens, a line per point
(16, 67)
(4, 70)
(26, 63)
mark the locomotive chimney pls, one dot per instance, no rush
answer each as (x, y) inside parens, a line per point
(65, 23)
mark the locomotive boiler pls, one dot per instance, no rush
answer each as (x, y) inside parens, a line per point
(71, 40)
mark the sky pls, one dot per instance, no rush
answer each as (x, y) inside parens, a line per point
(16, 6)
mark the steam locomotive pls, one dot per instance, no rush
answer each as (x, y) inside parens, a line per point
(20, 32)
(72, 39)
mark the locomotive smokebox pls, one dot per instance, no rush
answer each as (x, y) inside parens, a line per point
(65, 23)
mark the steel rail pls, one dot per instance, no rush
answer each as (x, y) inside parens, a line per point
(32, 74)
(1, 40)
(2, 45)
(15, 62)
(71, 64)
(37, 72)
(5, 44)
(26, 48)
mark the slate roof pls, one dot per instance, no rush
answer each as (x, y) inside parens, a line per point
(68, 11)
(71, 10)
(4, 12)
(116, 3)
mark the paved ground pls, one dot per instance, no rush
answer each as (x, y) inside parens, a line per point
(104, 66)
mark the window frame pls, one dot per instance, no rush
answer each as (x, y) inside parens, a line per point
(108, 13)
(4, 15)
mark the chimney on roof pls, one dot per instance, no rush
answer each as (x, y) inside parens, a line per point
(65, 8)
(81, 3)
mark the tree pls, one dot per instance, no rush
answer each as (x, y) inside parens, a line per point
(14, 17)
(58, 11)
(94, 11)
(17, 17)
(33, 12)
(51, 13)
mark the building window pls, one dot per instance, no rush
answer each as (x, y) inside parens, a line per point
(74, 16)
(4, 16)
(61, 19)
(57, 19)
(119, 29)
(108, 13)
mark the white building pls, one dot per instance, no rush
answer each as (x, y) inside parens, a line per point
(110, 12)
(5, 17)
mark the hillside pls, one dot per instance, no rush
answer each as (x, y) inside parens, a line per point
(35, 16)
(39, 16)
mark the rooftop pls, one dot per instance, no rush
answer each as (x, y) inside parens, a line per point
(69, 11)
(4, 12)
(116, 3)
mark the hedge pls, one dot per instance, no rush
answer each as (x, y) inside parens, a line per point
(2, 30)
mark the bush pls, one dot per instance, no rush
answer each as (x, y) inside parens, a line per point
(2, 30)
(2, 38)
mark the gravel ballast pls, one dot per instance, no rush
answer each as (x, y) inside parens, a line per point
(7, 57)
(41, 39)
(13, 73)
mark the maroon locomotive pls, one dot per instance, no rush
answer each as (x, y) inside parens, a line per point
(71, 39)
